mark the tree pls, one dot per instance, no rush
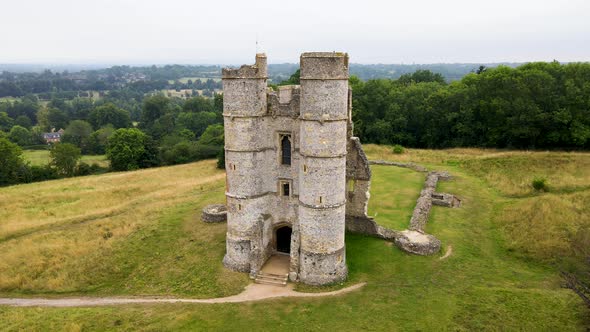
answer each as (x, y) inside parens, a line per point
(421, 76)
(43, 119)
(130, 149)
(20, 135)
(153, 108)
(109, 114)
(37, 135)
(293, 79)
(6, 122)
(23, 121)
(77, 133)
(65, 157)
(218, 103)
(57, 118)
(97, 141)
(196, 122)
(481, 69)
(11, 162)
(81, 108)
(198, 104)
(213, 135)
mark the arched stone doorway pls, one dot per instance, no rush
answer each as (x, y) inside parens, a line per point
(283, 239)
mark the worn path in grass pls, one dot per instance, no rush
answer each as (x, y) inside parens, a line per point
(252, 292)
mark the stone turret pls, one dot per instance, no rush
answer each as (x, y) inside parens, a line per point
(244, 105)
(322, 173)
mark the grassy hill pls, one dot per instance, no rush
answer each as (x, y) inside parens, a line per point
(41, 158)
(138, 233)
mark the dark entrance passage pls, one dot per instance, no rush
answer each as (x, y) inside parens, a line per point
(284, 239)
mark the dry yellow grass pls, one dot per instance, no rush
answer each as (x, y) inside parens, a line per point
(510, 172)
(551, 227)
(48, 227)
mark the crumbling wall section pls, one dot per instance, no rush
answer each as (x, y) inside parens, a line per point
(358, 179)
(284, 102)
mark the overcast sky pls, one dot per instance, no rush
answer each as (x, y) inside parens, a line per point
(225, 32)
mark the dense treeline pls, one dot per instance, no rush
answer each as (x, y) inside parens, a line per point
(168, 131)
(537, 105)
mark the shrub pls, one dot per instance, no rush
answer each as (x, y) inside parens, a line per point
(221, 159)
(43, 173)
(398, 149)
(11, 162)
(540, 184)
(65, 157)
(130, 149)
(83, 169)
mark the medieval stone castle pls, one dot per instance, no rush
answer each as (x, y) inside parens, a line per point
(294, 170)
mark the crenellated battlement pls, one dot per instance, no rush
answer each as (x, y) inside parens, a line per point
(284, 102)
(257, 70)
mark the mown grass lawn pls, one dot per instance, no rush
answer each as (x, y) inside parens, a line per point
(41, 158)
(61, 245)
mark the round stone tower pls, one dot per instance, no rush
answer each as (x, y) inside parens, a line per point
(322, 170)
(244, 107)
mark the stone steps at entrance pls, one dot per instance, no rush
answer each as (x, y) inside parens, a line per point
(271, 279)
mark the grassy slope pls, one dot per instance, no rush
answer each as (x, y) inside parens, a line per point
(119, 233)
(41, 158)
(158, 247)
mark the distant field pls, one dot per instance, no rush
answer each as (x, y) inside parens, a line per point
(133, 233)
(41, 157)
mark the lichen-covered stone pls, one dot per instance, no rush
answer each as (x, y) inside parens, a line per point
(417, 243)
(214, 213)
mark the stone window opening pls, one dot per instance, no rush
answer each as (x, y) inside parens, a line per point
(284, 188)
(239, 207)
(320, 199)
(285, 141)
(305, 169)
(351, 184)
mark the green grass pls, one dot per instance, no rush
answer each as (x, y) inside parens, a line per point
(41, 158)
(394, 192)
(160, 247)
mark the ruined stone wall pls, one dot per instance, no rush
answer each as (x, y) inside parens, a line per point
(358, 179)
(322, 175)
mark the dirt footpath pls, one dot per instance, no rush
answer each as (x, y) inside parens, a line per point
(252, 292)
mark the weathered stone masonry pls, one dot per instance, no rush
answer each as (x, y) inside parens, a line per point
(293, 168)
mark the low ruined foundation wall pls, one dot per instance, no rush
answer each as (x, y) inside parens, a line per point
(412, 240)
